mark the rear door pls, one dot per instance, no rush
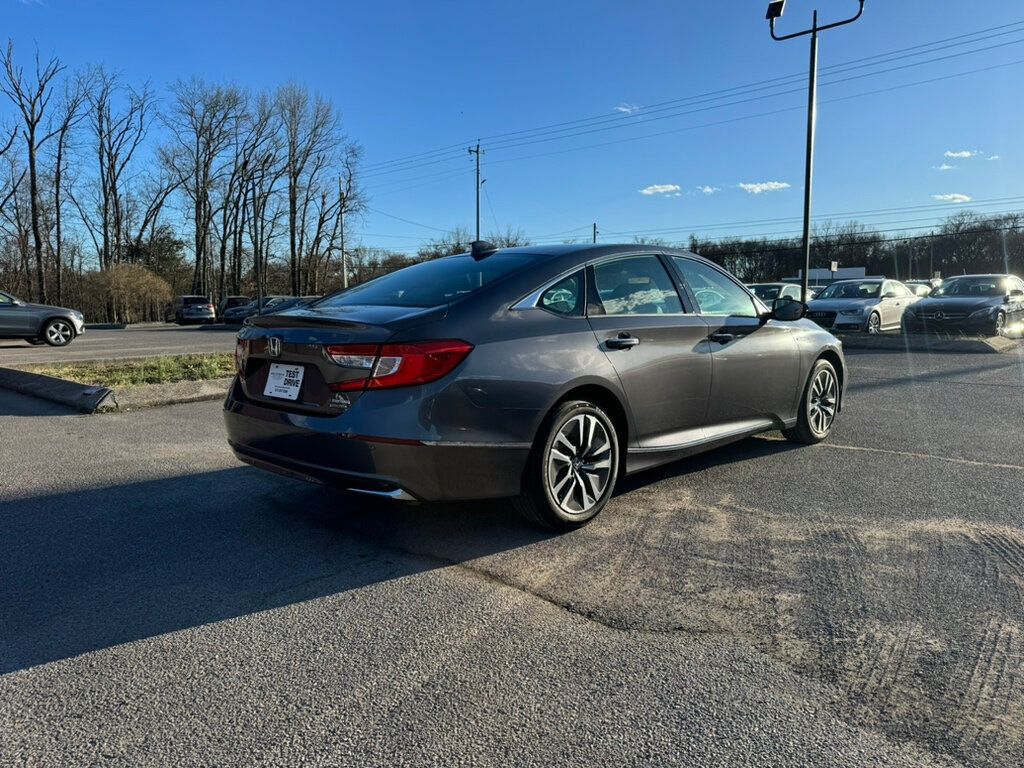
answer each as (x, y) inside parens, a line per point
(659, 350)
(756, 362)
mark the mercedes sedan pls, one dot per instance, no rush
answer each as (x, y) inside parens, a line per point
(543, 374)
(980, 304)
(871, 305)
(38, 323)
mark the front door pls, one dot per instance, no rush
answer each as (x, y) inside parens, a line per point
(14, 319)
(756, 361)
(658, 349)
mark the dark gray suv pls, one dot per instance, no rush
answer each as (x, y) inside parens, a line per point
(38, 323)
(541, 374)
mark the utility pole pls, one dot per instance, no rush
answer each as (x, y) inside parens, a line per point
(595, 232)
(477, 151)
(775, 10)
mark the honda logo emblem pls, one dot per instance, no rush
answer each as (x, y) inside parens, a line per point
(274, 346)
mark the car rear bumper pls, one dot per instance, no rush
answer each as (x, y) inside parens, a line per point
(315, 449)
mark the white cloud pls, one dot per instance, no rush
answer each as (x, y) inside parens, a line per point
(707, 189)
(627, 109)
(764, 186)
(994, 157)
(952, 198)
(944, 167)
(660, 189)
(962, 153)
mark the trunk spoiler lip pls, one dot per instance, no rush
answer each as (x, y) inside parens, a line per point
(305, 318)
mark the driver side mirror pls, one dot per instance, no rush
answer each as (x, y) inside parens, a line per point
(787, 309)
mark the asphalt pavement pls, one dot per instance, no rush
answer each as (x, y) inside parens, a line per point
(134, 341)
(853, 603)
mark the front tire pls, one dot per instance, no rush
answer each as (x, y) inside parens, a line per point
(571, 472)
(818, 407)
(58, 332)
(874, 323)
(1000, 324)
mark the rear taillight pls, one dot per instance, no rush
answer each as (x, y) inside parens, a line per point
(397, 365)
(240, 357)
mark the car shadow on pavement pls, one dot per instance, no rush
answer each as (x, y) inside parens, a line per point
(95, 568)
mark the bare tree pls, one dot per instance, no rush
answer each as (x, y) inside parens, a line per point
(69, 114)
(202, 122)
(310, 128)
(32, 98)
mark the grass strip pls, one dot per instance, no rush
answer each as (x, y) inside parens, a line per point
(149, 370)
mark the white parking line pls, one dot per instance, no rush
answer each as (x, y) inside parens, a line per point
(912, 455)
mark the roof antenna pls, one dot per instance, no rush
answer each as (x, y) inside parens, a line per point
(481, 249)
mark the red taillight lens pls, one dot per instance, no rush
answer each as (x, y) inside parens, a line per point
(398, 365)
(240, 357)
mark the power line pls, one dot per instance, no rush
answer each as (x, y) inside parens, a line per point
(895, 55)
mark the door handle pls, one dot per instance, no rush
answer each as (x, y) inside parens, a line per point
(622, 341)
(723, 338)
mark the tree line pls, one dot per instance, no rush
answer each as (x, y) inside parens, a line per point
(113, 198)
(212, 189)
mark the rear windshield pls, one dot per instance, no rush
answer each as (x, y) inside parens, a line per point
(430, 283)
(195, 300)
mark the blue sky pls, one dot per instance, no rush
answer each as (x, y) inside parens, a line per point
(412, 77)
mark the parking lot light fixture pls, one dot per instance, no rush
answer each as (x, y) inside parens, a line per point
(775, 11)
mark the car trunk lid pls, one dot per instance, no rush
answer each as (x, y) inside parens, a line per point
(289, 351)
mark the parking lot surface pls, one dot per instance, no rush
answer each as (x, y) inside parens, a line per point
(134, 341)
(857, 602)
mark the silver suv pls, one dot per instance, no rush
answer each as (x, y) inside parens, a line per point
(190, 309)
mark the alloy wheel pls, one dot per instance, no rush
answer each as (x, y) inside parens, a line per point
(821, 404)
(579, 464)
(59, 333)
(874, 323)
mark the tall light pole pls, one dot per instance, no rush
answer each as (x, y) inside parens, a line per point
(775, 11)
(477, 152)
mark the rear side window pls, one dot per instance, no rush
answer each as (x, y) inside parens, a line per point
(715, 293)
(565, 297)
(638, 285)
(430, 283)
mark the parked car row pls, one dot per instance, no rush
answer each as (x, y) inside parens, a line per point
(232, 310)
(975, 304)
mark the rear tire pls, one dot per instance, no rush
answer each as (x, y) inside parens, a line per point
(571, 472)
(818, 406)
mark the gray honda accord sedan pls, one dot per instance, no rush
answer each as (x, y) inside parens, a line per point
(542, 374)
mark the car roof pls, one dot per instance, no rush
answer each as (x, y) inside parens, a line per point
(982, 277)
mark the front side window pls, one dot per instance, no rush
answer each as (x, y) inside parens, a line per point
(5, 299)
(715, 293)
(564, 297)
(766, 293)
(638, 285)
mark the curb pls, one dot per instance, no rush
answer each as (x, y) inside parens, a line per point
(929, 343)
(82, 397)
(174, 393)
